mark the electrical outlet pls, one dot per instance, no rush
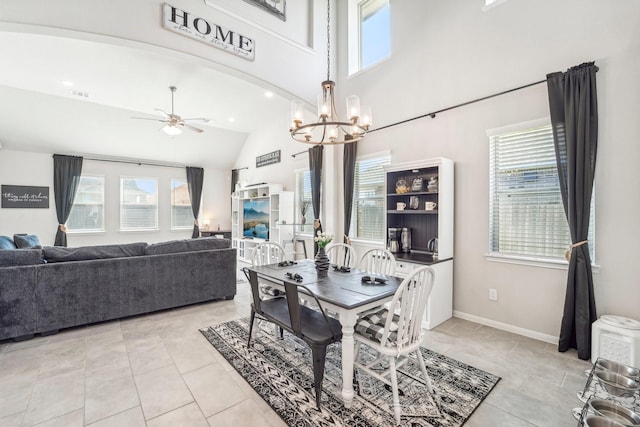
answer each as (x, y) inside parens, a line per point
(493, 294)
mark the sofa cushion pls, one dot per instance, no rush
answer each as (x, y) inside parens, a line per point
(188, 245)
(62, 254)
(6, 242)
(17, 257)
(27, 241)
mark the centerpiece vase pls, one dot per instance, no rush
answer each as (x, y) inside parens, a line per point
(322, 262)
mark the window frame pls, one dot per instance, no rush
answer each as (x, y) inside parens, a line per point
(353, 236)
(173, 226)
(102, 228)
(139, 229)
(354, 32)
(528, 259)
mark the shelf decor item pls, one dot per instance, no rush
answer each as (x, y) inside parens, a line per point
(401, 186)
(432, 186)
(322, 260)
(416, 184)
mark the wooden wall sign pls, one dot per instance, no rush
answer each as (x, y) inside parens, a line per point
(25, 196)
(196, 28)
(268, 159)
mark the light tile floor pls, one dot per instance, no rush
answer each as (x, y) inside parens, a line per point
(158, 370)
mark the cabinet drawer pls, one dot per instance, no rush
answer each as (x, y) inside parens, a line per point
(403, 268)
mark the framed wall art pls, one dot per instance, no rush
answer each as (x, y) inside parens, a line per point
(275, 7)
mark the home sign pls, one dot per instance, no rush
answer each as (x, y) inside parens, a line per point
(194, 27)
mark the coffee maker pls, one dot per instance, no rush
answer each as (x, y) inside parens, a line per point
(393, 242)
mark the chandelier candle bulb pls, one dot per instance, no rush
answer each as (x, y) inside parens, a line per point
(366, 116)
(353, 107)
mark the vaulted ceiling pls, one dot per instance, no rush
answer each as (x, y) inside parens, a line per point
(112, 83)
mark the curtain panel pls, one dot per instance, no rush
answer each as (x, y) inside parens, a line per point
(195, 179)
(315, 168)
(235, 176)
(66, 178)
(574, 117)
(349, 172)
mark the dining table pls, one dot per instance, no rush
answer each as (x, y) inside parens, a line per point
(344, 292)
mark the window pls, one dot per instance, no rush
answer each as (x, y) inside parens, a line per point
(181, 213)
(367, 217)
(369, 33)
(87, 212)
(303, 196)
(138, 204)
(526, 216)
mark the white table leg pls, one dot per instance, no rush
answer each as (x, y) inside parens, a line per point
(348, 321)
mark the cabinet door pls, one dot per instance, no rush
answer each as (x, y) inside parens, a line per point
(440, 305)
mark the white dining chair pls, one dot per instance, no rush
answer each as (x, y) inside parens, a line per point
(263, 254)
(342, 255)
(378, 261)
(396, 332)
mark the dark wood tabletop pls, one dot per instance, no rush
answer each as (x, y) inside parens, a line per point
(343, 289)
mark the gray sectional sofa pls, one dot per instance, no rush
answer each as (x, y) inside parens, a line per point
(48, 289)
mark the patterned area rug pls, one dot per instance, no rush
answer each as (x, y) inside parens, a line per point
(281, 372)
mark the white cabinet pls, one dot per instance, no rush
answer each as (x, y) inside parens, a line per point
(440, 305)
(425, 188)
(256, 213)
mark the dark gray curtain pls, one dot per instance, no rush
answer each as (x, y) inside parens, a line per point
(195, 178)
(66, 178)
(315, 168)
(349, 168)
(574, 117)
(235, 176)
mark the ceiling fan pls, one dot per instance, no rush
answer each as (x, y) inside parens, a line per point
(173, 122)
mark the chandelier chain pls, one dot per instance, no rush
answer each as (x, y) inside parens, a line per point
(328, 39)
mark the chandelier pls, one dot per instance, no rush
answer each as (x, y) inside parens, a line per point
(328, 129)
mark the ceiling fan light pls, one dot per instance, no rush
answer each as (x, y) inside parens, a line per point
(171, 130)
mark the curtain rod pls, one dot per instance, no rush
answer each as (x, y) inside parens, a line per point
(239, 169)
(297, 154)
(134, 162)
(433, 114)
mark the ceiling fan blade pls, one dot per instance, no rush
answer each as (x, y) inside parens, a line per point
(193, 128)
(197, 119)
(164, 113)
(148, 118)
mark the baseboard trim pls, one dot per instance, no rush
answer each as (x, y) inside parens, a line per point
(506, 327)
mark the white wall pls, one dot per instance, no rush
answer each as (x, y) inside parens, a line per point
(445, 53)
(285, 54)
(23, 168)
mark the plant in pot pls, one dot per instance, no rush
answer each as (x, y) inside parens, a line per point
(304, 207)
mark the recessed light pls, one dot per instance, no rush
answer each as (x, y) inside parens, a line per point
(231, 119)
(67, 83)
(268, 94)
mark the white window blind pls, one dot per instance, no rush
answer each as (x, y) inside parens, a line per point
(367, 217)
(138, 204)
(87, 212)
(181, 212)
(526, 215)
(303, 194)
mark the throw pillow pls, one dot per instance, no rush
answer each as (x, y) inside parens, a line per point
(6, 242)
(27, 241)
